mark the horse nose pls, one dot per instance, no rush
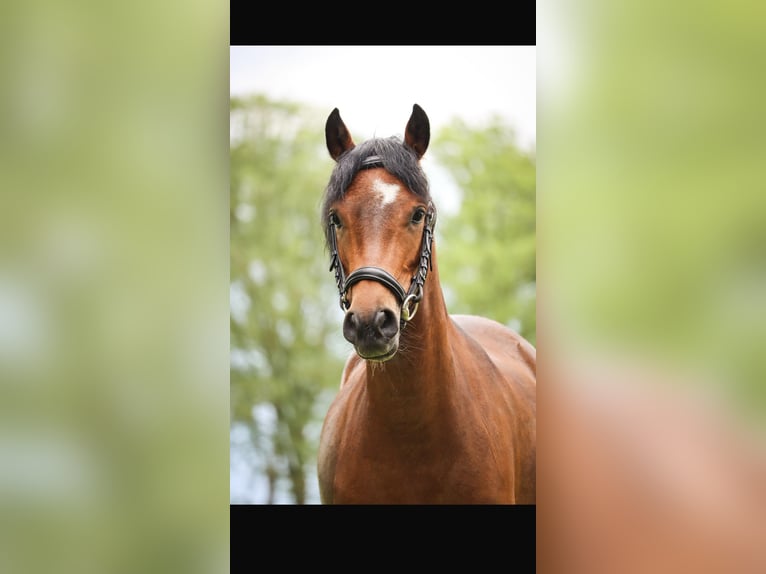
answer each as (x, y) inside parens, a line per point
(380, 327)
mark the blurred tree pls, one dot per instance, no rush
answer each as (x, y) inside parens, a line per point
(283, 299)
(487, 251)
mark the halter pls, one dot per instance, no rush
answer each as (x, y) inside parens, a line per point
(410, 299)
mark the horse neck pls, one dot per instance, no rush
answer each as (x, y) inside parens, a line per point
(421, 373)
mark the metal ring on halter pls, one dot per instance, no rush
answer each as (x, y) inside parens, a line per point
(407, 314)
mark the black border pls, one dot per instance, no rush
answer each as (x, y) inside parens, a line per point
(252, 24)
(386, 531)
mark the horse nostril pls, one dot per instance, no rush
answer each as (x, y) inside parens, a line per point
(385, 323)
(350, 327)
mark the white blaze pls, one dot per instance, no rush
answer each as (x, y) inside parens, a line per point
(386, 191)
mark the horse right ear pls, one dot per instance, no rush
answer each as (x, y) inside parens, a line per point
(337, 136)
(418, 131)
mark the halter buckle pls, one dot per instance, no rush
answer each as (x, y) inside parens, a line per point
(407, 313)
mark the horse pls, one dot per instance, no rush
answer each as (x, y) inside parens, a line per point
(432, 408)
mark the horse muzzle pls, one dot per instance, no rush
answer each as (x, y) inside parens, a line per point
(375, 335)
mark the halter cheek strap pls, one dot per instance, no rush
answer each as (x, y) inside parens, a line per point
(410, 299)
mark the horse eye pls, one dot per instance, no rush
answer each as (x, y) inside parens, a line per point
(419, 214)
(334, 219)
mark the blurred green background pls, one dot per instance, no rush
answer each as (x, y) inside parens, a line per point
(287, 348)
(114, 350)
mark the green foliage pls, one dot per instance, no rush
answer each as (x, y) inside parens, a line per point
(487, 250)
(282, 294)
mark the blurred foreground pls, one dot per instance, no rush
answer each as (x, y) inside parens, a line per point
(640, 470)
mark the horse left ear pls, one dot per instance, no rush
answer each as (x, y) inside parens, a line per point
(418, 131)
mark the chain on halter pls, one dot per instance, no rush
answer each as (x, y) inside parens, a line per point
(410, 299)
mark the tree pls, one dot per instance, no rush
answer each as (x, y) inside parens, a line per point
(283, 300)
(487, 250)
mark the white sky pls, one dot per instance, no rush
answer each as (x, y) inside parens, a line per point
(374, 87)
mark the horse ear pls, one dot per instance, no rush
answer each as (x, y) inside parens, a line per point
(418, 131)
(337, 136)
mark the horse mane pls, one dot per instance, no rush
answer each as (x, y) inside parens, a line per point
(397, 158)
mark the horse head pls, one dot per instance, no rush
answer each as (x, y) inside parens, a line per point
(379, 219)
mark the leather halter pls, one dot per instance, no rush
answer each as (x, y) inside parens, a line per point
(409, 299)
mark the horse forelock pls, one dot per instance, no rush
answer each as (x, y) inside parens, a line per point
(398, 159)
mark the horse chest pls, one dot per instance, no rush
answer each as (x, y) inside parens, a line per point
(431, 466)
(382, 478)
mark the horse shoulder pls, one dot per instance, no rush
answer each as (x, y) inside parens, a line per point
(515, 359)
(503, 345)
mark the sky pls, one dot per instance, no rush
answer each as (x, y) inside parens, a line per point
(374, 87)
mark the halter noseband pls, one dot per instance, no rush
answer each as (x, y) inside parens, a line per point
(410, 299)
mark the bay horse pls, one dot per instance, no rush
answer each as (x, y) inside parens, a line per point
(432, 408)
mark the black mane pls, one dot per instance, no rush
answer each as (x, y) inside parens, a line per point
(397, 158)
